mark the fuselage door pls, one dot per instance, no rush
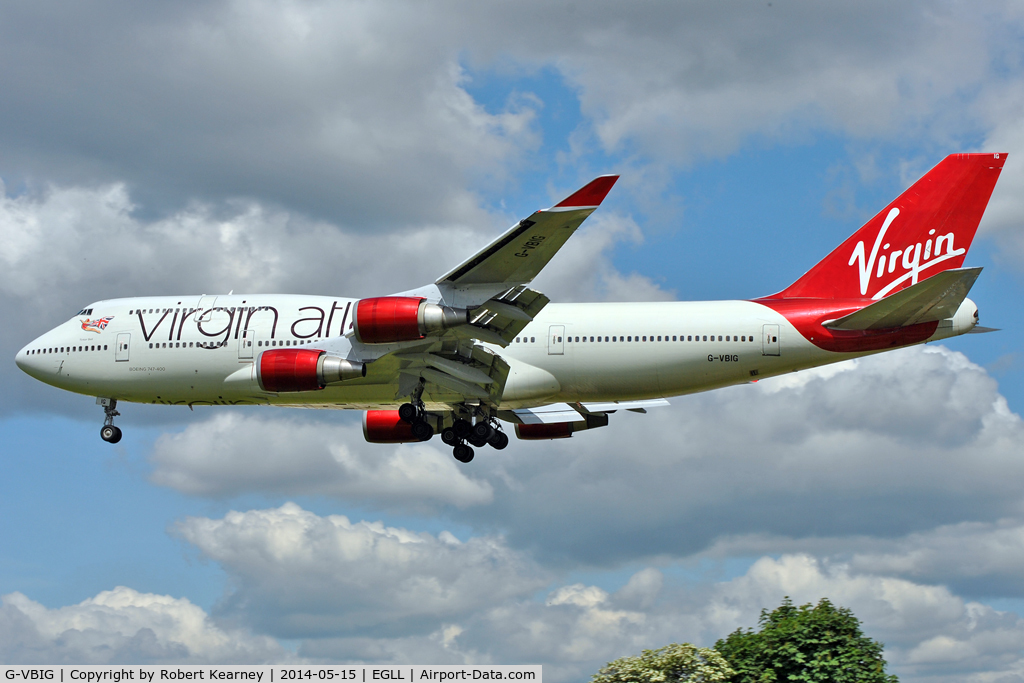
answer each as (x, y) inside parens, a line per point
(245, 344)
(124, 341)
(204, 309)
(556, 347)
(770, 341)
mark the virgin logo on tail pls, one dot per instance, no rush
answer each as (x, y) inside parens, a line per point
(914, 259)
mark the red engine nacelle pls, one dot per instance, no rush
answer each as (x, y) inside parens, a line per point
(283, 370)
(557, 430)
(384, 426)
(289, 370)
(386, 319)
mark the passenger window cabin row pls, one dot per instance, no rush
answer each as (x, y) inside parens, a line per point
(302, 342)
(214, 345)
(67, 349)
(644, 338)
(190, 311)
(187, 345)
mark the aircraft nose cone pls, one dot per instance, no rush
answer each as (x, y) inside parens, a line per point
(27, 362)
(22, 360)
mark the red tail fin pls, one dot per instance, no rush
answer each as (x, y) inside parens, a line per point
(925, 230)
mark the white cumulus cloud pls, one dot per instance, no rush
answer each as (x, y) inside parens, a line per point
(124, 626)
(297, 573)
(232, 453)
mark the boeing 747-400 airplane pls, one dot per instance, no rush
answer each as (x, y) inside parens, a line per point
(478, 346)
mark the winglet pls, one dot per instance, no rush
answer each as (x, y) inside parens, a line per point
(516, 257)
(590, 195)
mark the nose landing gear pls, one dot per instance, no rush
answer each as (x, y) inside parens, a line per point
(108, 432)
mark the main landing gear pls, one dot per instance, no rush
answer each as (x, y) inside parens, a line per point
(481, 434)
(108, 432)
(413, 414)
(484, 432)
(462, 435)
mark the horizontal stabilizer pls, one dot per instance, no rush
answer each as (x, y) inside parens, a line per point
(931, 300)
(983, 330)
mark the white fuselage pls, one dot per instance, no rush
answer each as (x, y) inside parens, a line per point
(179, 350)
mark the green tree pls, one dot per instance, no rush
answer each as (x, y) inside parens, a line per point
(823, 643)
(672, 663)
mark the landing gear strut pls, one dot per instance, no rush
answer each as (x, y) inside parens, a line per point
(413, 413)
(108, 432)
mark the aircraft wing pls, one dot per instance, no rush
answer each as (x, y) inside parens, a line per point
(566, 412)
(518, 256)
(930, 300)
(491, 285)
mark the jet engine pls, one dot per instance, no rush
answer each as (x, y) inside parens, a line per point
(282, 370)
(385, 426)
(387, 319)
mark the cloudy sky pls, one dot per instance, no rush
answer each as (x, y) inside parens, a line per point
(360, 148)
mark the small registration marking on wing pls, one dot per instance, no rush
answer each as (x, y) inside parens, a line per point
(532, 243)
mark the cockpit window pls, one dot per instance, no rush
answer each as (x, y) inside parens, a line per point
(85, 311)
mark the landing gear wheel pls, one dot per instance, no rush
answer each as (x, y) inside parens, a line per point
(463, 453)
(479, 443)
(499, 441)
(449, 436)
(483, 431)
(421, 430)
(462, 428)
(407, 412)
(110, 433)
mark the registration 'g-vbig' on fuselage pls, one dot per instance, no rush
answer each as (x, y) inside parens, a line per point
(479, 347)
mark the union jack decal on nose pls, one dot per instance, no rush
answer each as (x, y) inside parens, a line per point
(97, 325)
